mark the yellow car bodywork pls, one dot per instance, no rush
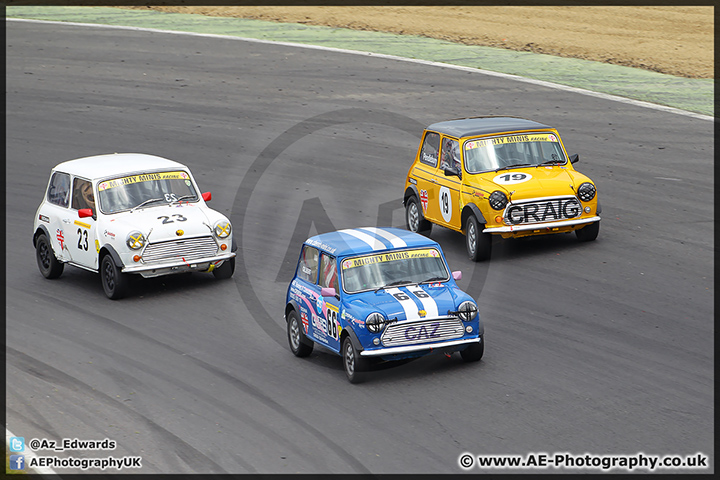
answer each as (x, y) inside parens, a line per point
(461, 163)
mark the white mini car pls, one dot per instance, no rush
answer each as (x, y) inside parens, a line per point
(128, 213)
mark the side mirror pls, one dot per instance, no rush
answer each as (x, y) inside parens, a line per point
(574, 158)
(85, 212)
(457, 275)
(451, 171)
(207, 196)
(327, 292)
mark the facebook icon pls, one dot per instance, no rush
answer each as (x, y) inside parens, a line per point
(17, 462)
(17, 444)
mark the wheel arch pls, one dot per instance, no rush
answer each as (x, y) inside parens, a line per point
(109, 250)
(409, 192)
(348, 332)
(41, 229)
(471, 209)
(292, 305)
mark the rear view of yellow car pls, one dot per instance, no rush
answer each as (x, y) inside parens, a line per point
(504, 176)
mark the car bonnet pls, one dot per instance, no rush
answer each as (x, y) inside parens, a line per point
(411, 302)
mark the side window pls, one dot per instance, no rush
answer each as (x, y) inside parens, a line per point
(59, 189)
(450, 156)
(308, 264)
(430, 149)
(83, 196)
(328, 272)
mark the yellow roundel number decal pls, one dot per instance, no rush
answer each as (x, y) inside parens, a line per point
(445, 203)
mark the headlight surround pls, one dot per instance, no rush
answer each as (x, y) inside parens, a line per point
(467, 311)
(586, 192)
(498, 200)
(222, 229)
(375, 322)
(135, 240)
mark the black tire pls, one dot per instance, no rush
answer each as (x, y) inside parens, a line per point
(355, 366)
(114, 282)
(300, 345)
(588, 233)
(479, 244)
(226, 270)
(414, 219)
(474, 352)
(48, 264)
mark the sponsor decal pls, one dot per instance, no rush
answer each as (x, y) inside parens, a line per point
(321, 245)
(82, 224)
(97, 246)
(389, 257)
(424, 332)
(304, 319)
(148, 177)
(536, 212)
(44, 218)
(424, 199)
(110, 235)
(61, 238)
(512, 178)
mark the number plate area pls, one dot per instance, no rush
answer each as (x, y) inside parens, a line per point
(542, 210)
(425, 331)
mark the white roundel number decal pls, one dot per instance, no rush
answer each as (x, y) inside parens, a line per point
(445, 203)
(511, 178)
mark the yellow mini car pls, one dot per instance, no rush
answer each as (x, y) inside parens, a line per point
(506, 176)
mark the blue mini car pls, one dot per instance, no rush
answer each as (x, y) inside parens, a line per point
(379, 293)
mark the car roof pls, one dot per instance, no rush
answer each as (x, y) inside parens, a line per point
(108, 165)
(359, 241)
(487, 125)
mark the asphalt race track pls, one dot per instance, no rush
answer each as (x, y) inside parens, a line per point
(603, 348)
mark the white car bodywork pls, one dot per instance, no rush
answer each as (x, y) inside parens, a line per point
(176, 234)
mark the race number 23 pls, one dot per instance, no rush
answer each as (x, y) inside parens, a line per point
(445, 203)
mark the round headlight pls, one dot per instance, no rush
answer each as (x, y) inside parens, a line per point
(135, 240)
(467, 311)
(375, 322)
(586, 192)
(498, 200)
(222, 229)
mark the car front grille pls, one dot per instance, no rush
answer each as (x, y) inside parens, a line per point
(187, 250)
(423, 331)
(542, 210)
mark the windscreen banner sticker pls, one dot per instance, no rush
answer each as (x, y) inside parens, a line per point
(535, 137)
(389, 257)
(147, 177)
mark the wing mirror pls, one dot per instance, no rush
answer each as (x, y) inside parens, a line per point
(451, 171)
(207, 196)
(574, 158)
(457, 275)
(328, 292)
(85, 212)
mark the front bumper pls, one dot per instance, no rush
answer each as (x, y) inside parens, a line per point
(541, 226)
(380, 352)
(178, 266)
